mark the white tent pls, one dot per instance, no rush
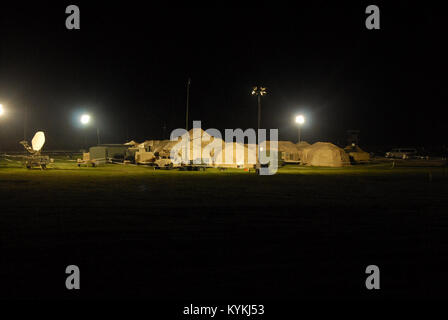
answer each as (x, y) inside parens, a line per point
(325, 154)
(198, 148)
(235, 155)
(288, 151)
(302, 144)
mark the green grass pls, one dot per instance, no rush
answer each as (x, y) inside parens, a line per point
(168, 233)
(128, 186)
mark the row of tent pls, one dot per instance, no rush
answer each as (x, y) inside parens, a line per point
(244, 155)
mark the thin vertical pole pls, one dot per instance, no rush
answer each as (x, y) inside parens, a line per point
(188, 103)
(259, 111)
(25, 123)
(163, 130)
(98, 135)
(299, 132)
(258, 129)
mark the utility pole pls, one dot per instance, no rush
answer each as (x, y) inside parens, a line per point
(300, 120)
(98, 135)
(259, 92)
(188, 103)
(25, 123)
(163, 130)
(259, 113)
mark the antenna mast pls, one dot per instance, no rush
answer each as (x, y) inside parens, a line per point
(188, 103)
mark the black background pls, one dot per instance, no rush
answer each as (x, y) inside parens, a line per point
(128, 67)
(129, 63)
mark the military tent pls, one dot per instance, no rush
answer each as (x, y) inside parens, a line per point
(325, 154)
(239, 155)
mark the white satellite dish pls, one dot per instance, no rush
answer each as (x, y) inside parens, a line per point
(38, 141)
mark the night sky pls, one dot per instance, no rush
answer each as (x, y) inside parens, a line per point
(129, 64)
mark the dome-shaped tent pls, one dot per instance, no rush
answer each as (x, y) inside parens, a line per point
(240, 155)
(325, 154)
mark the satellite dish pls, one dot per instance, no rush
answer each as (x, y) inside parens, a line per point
(38, 141)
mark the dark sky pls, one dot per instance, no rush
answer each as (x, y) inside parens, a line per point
(129, 63)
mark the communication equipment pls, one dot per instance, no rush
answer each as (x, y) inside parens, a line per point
(35, 159)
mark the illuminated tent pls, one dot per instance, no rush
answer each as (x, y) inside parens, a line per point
(239, 155)
(302, 144)
(198, 140)
(288, 151)
(325, 154)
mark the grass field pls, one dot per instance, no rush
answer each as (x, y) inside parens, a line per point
(305, 232)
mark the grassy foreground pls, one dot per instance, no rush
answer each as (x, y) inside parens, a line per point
(65, 185)
(304, 232)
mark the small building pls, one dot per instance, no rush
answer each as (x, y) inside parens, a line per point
(106, 152)
(356, 154)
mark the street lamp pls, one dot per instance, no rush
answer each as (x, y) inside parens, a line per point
(25, 115)
(2, 112)
(259, 92)
(85, 120)
(300, 120)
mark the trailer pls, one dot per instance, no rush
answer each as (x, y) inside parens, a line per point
(35, 159)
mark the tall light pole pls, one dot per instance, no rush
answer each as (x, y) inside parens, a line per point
(25, 123)
(188, 103)
(259, 92)
(2, 112)
(98, 135)
(25, 118)
(85, 120)
(300, 120)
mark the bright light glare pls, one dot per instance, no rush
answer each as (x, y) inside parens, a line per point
(2, 111)
(300, 119)
(85, 119)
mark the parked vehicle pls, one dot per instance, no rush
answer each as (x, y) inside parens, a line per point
(402, 153)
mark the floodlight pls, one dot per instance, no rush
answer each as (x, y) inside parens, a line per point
(85, 119)
(258, 91)
(2, 111)
(300, 119)
(254, 90)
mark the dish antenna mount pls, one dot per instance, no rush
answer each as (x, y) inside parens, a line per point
(35, 159)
